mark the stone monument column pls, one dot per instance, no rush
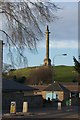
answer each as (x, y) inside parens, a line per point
(47, 42)
(47, 61)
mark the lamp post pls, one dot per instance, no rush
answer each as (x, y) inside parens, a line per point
(58, 55)
(54, 69)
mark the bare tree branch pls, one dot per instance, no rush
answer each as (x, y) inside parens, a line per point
(23, 22)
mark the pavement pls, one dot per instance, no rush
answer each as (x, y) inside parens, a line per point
(65, 112)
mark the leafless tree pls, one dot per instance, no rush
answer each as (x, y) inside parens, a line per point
(7, 67)
(41, 75)
(23, 20)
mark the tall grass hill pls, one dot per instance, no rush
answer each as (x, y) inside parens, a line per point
(42, 74)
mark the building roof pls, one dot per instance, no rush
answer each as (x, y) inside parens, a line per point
(73, 87)
(10, 85)
(39, 87)
(52, 87)
(56, 87)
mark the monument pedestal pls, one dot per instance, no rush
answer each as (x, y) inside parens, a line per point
(47, 62)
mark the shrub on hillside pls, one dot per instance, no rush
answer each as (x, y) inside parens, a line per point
(41, 75)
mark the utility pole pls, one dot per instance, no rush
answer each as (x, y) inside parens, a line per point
(1, 66)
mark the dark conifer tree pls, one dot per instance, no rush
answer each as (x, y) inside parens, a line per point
(77, 68)
(77, 65)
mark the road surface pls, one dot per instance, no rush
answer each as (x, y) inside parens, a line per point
(45, 113)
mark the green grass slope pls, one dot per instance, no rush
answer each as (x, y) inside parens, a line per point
(62, 73)
(65, 73)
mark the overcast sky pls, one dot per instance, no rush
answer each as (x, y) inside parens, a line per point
(64, 31)
(63, 38)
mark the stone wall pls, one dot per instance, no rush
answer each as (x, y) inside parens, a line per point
(28, 93)
(59, 93)
(8, 97)
(43, 94)
(34, 101)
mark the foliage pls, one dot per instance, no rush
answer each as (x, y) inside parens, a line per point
(41, 75)
(77, 65)
(19, 79)
(77, 68)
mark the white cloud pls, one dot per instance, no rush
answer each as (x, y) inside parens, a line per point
(64, 44)
(61, 44)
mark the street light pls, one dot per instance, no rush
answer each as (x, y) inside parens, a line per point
(58, 55)
(54, 59)
(53, 80)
